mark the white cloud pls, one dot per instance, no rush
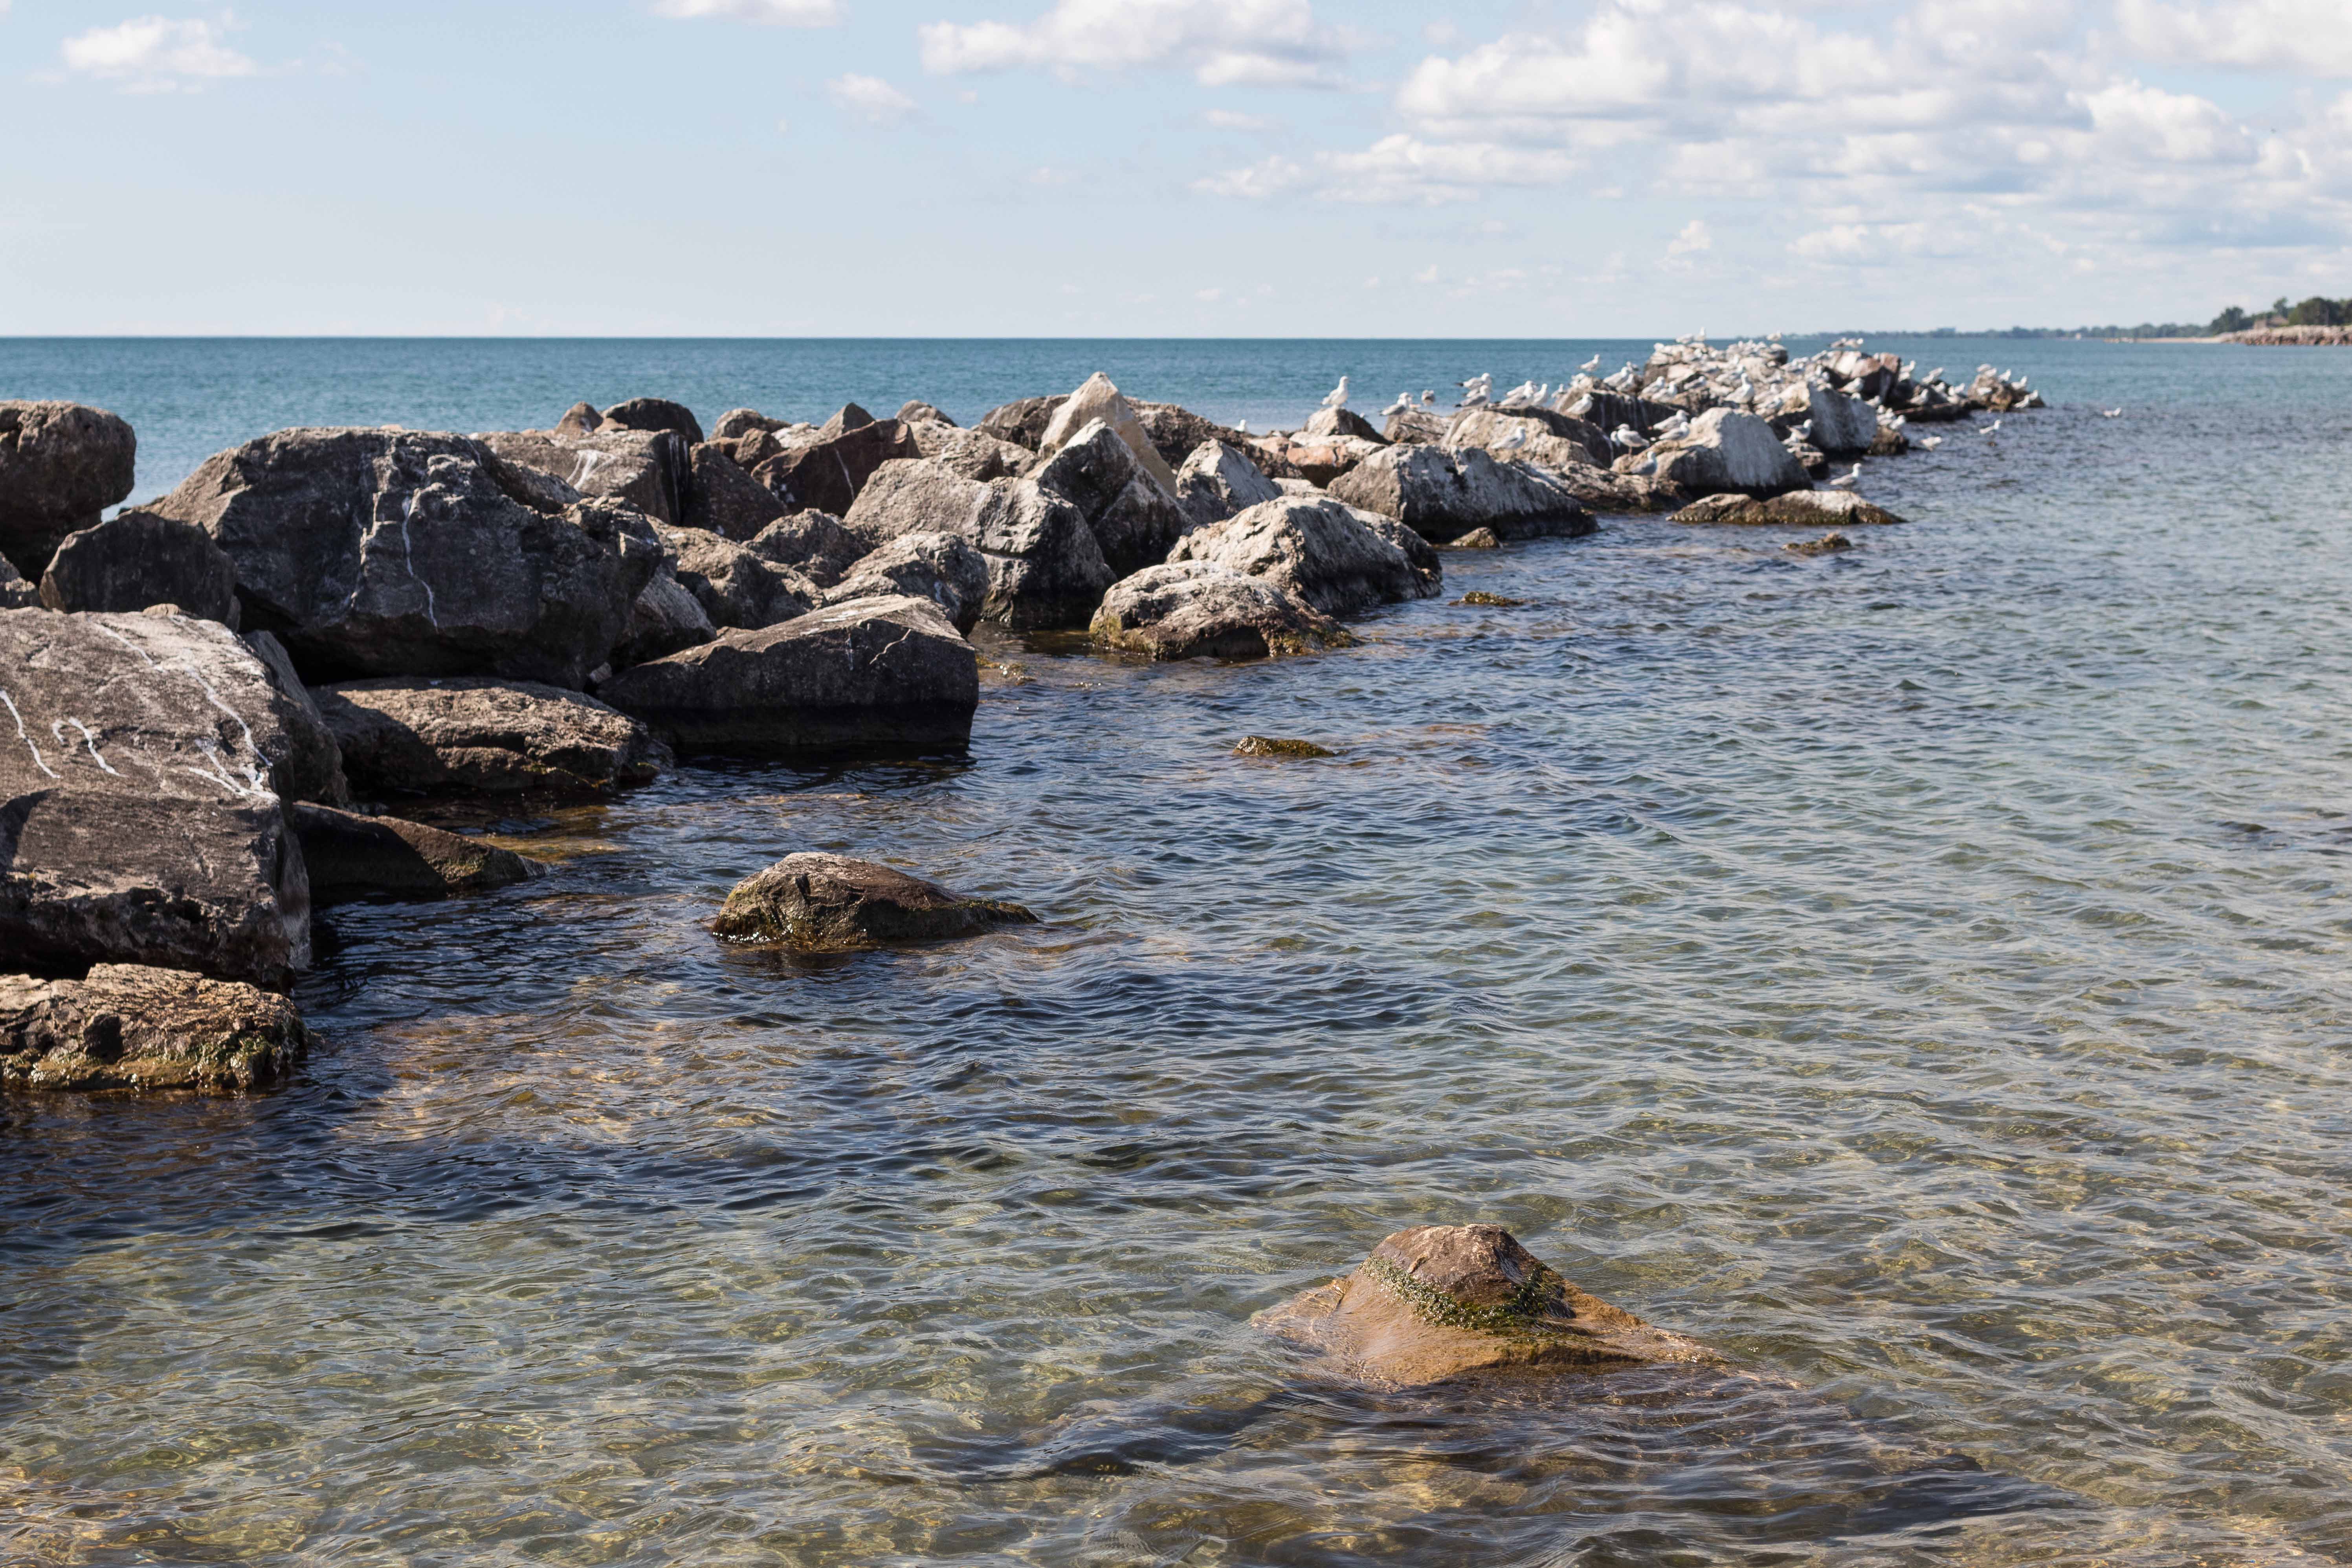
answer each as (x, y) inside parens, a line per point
(1223, 43)
(1398, 168)
(870, 99)
(1233, 119)
(154, 54)
(1695, 237)
(769, 12)
(2310, 37)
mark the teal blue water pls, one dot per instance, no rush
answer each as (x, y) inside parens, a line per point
(1920, 973)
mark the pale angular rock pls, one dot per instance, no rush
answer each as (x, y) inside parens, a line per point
(1136, 519)
(1319, 551)
(663, 618)
(1198, 609)
(849, 418)
(834, 903)
(1218, 479)
(466, 736)
(1529, 436)
(61, 464)
(1442, 494)
(138, 559)
(915, 411)
(736, 585)
(939, 567)
(1797, 509)
(135, 1026)
(1726, 450)
(1428, 571)
(974, 454)
(873, 675)
(354, 857)
(813, 543)
(726, 501)
(656, 414)
(1099, 399)
(1045, 568)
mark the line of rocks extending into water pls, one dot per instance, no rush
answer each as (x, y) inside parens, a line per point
(2290, 337)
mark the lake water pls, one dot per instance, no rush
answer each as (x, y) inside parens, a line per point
(1920, 973)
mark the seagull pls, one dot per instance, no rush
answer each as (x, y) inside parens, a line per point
(1427, 397)
(1989, 429)
(1242, 426)
(1337, 397)
(1403, 402)
(1931, 442)
(1625, 436)
(1517, 437)
(1936, 375)
(1589, 366)
(1847, 481)
(2111, 413)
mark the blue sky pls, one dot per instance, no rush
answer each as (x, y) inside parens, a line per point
(1167, 167)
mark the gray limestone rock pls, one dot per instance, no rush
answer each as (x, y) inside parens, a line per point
(1218, 479)
(1045, 568)
(1442, 494)
(1319, 551)
(940, 567)
(1198, 609)
(736, 585)
(1134, 518)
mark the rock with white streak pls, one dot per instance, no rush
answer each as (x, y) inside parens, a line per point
(1046, 568)
(1319, 551)
(652, 470)
(311, 767)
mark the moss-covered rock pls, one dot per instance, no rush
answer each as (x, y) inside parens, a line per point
(126, 1025)
(833, 903)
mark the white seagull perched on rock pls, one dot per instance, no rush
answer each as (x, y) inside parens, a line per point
(1589, 366)
(1847, 481)
(1337, 397)
(1242, 426)
(1517, 437)
(1428, 397)
(1625, 436)
(1403, 402)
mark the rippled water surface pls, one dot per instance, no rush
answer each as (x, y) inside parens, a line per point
(1920, 973)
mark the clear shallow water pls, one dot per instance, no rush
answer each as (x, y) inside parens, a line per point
(1918, 972)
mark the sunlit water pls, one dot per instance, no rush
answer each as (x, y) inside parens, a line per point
(1920, 973)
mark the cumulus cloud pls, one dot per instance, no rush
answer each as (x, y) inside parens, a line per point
(154, 54)
(770, 12)
(870, 99)
(1223, 43)
(2311, 36)
(1694, 237)
(1398, 168)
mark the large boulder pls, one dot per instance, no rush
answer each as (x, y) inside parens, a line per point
(1443, 495)
(1442, 1301)
(139, 820)
(834, 903)
(1023, 421)
(61, 464)
(311, 767)
(736, 585)
(1319, 551)
(138, 559)
(1428, 571)
(1134, 518)
(1045, 568)
(473, 736)
(1610, 411)
(1198, 609)
(1218, 479)
(1842, 425)
(1726, 450)
(1099, 399)
(881, 675)
(387, 552)
(1343, 423)
(352, 856)
(826, 474)
(939, 567)
(1797, 509)
(1529, 435)
(813, 543)
(1176, 433)
(656, 414)
(652, 470)
(974, 454)
(663, 618)
(723, 499)
(128, 1026)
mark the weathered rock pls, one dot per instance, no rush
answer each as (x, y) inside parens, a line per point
(127, 1025)
(1492, 601)
(834, 903)
(726, 501)
(1319, 551)
(378, 551)
(915, 411)
(1428, 571)
(656, 414)
(1842, 425)
(1045, 568)
(1296, 486)
(652, 470)
(826, 474)
(1797, 509)
(61, 464)
(1476, 539)
(1607, 411)
(1134, 518)
(663, 618)
(1442, 494)
(1605, 490)
(736, 585)
(974, 454)
(1530, 434)
(311, 767)
(1319, 460)
(1099, 399)
(1021, 422)
(1176, 433)
(139, 821)
(1343, 423)
(1218, 479)
(1435, 1302)
(354, 857)
(1890, 442)
(579, 419)
(849, 418)
(739, 422)
(1827, 545)
(1811, 459)
(1198, 609)
(485, 737)
(15, 594)
(939, 567)
(881, 675)
(1279, 747)
(1723, 451)
(138, 559)
(813, 543)
(1422, 427)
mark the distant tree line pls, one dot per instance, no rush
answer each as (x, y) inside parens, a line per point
(2316, 311)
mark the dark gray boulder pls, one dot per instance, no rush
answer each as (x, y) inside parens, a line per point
(1023, 421)
(352, 856)
(813, 543)
(663, 618)
(1045, 567)
(1442, 495)
(1134, 518)
(652, 470)
(736, 585)
(834, 903)
(139, 559)
(1607, 411)
(139, 820)
(383, 552)
(1198, 609)
(1217, 479)
(61, 464)
(826, 475)
(470, 736)
(136, 1026)
(1319, 551)
(939, 567)
(725, 500)
(872, 675)
(656, 414)
(313, 765)
(739, 422)
(1177, 433)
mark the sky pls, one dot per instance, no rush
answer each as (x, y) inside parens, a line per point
(1223, 168)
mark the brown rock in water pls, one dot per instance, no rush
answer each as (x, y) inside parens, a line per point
(1440, 1301)
(126, 1025)
(487, 737)
(354, 857)
(61, 464)
(1269, 746)
(1198, 609)
(1826, 544)
(138, 559)
(1496, 601)
(830, 902)
(1798, 509)
(1476, 539)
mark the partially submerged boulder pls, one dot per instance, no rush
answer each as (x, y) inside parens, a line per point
(354, 857)
(876, 675)
(1722, 451)
(939, 567)
(1442, 495)
(833, 903)
(656, 414)
(1319, 551)
(1045, 568)
(1440, 1301)
(736, 585)
(813, 543)
(127, 1025)
(1198, 609)
(1099, 399)
(472, 736)
(1218, 479)
(1797, 509)
(1827, 545)
(384, 552)
(1136, 519)
(139, 559)
(138, 820)
(61, 464)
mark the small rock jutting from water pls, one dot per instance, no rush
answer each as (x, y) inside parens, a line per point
(824, 903)
(1480, 596)
(1799, 509)
(1826, 544)
(1476, 539)
(1439, 1302)
(127, 1025)
(1269, 746)
(353, 857)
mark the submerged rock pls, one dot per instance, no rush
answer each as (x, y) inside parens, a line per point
(878, 675)
(1442, 495)
(138, 559)
(1826, 544)
(1439, 1302)
(832, 902)
(1272, 746)
(475, 736)
(1797, 509)
(1198, 609)
(939, 567)
(1218, 479)
(1319, 551)
(354, 857)
(127, 1025)
(61, 464)
(1495, 601)
(1477, 539)
(1045, 568)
